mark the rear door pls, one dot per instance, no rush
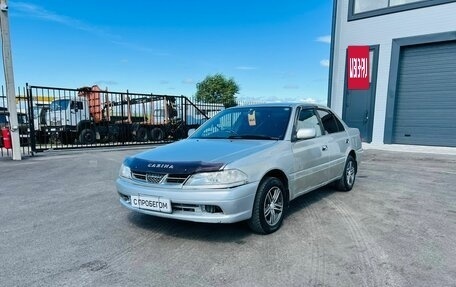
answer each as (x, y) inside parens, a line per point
(310, 156)
(338, 142)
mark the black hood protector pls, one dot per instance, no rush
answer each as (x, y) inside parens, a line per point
(189, 167)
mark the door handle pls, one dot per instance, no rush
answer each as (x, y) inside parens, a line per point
(325, 147)
(366, 117)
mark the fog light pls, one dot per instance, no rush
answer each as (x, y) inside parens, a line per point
(126, 198)
(212, 209)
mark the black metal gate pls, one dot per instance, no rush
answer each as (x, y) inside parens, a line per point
(23, 116)
(62, 118)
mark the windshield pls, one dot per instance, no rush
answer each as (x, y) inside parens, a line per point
(59, 105)
(22, 118)
(268, 123)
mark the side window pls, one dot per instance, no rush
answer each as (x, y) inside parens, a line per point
(330, 123)
(76, 105)
(308, 119)
(340, 126)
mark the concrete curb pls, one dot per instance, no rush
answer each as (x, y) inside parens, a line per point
(412, 148)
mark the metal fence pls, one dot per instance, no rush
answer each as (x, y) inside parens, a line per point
(23, 116)
(89, 116)
(53, 118)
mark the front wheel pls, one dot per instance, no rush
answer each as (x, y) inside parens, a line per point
(346, 182)
(268, 207)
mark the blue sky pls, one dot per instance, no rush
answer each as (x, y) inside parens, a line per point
(274, 50)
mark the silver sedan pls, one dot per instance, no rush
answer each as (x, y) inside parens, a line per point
(246, 163)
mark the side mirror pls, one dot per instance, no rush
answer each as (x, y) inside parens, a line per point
(306, 133)
(190, 132)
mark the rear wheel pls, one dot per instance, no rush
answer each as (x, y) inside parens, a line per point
(87, 136)
(157, 134)
(268, 207)
(141, 134)
(346, 182)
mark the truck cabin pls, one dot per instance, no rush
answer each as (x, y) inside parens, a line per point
(64, 104)
(3, 119)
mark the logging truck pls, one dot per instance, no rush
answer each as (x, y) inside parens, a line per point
(99, 116)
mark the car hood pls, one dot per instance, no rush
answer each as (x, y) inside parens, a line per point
(198, 154)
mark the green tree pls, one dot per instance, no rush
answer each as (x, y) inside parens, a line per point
(217, 89)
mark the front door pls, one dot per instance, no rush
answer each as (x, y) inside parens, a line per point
(359, 105)
(311, 157)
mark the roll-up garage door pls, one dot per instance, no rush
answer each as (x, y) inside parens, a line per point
(425, 110)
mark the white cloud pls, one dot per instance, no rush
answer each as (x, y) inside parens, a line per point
(188, 81)
(289, 74)
(291, 87)
(35, 11)
(139, 48)
(324, 63)
(308, 101)
(245, 68)
(324, 39)
(276, 99)
(106, 83)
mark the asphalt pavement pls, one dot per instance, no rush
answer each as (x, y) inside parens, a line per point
(61, 224)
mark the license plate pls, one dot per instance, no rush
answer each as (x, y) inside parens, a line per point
(151, 203)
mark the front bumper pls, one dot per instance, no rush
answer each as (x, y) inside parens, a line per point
(235, 203)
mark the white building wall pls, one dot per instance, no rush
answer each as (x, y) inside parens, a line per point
(381, 30)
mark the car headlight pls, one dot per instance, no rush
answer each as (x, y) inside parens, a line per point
(219, 179)
(125, 171)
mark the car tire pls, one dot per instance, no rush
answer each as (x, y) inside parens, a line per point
(157, 134)
(142, 135)
(346, 182)
(87, 136)
(268, 207)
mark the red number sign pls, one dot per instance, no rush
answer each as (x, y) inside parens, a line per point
(358, 67)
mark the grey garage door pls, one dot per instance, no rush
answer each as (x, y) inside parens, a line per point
(425, 110)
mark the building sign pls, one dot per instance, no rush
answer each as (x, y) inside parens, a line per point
(358, 67)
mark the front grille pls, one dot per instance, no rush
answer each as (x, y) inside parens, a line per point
(154, 177)
(55, 123)
(159, 178)
(176, 178)
(139, 176)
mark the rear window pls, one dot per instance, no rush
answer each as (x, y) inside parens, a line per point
(330, 123)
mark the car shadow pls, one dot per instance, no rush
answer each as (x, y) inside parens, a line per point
(306, 200)
(233, 233)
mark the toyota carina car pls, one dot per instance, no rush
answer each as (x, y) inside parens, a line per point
(245, 163)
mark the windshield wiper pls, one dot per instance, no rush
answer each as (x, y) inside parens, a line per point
(253, 137)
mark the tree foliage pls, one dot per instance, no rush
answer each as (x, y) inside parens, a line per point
(217, 89)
